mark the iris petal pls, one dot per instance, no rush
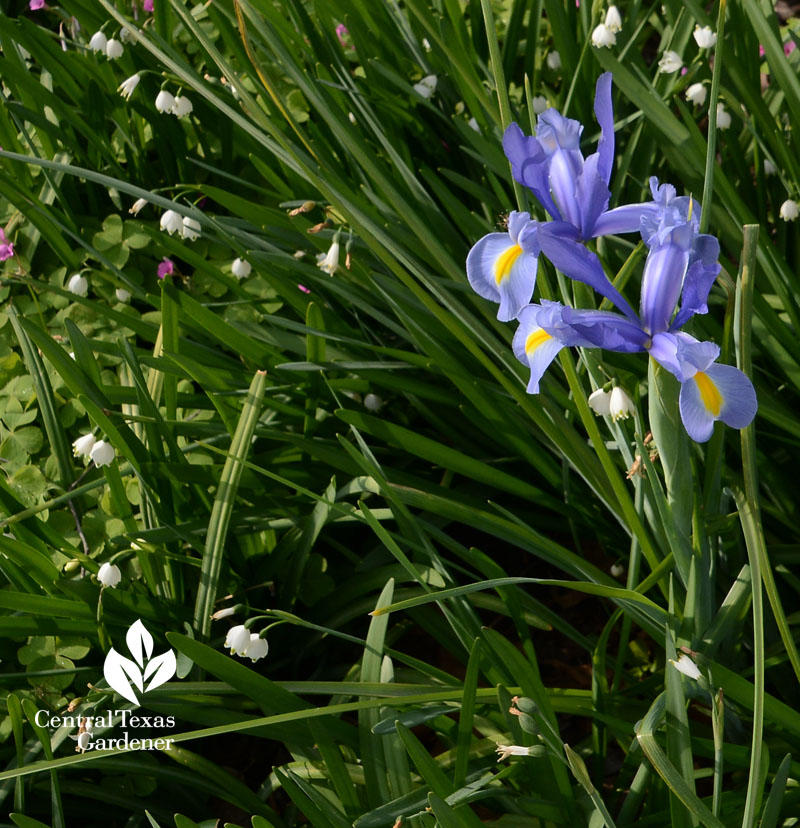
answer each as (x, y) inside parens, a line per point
(534, 346)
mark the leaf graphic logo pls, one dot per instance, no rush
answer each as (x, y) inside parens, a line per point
(123, 674)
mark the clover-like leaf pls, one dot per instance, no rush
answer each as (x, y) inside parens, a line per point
(138, 638)
(120, 673)
(162, 668)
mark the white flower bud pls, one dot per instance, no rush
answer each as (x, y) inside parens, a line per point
(172, 222)
(670, 62)
(83, 446)
(98, 42)
(696, 94)
(554, 60)
(372, 402)
(165, 101)
(617, 570)
(539, 104)
(78, 285)
(472, 123)
(705, 37)
(613, 19)
(685, 665)
(330, 261)
(137, 206)
(223, 613)
(511, 750)
(114, 49)
(240, 268)
(109, 575)
(769, 167)
(102, 453)
(123, 295)
(603, 36)
(789, 211)
(723, 117)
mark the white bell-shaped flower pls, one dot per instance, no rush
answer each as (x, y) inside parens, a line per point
(122, 295)
(237, 639)
(182, 107)
(127, 87)
(620, 405)
(102, 453)
(372, 402)
(600, 402)
(82, 447)
(109, 575)
(705, 37)
(114, 49)
(723, 117)
(329, 261)
(789, 211)
(696, 94)
(98, 42)
(240, 268)
(670, 62)
(172, 222)
(256, 648)
(191, 228)
(685, 665)
(602, 36)
(553, 60)
(165, 101)
(77, 284)
(613, 19)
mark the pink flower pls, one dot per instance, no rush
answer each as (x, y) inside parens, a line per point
(148, 5)
(304, 288)
(166, 268)
(761, 51)
(6, 247)
(35, 5)
(789, 47)
(342, 32)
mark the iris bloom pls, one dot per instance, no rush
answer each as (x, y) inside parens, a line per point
(681, 265)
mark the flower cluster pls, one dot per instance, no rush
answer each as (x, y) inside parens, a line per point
(243, 643)
(680, 268)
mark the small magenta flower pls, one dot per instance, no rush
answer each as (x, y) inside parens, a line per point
(36, 5)
(148, 5)
(303, 288)
(109, 575)
(343, 33)
(166, 268)
(6, 247)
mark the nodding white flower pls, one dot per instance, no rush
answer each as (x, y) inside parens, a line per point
(620, 405)
(352, 118)
(670, 62)
(137, 205)
(426, 87)
(617, 570)
(240, 268)
(78, 285)
(191, 228)
(223, 613)
(613, 19)
(98, 42)
(109, 575)
(102, 453)
(123, 295)
(789, 210)
(330, 261)
(539, 104)
(165, 101)
(600, 402)
(172, 222)
(723, 117)
(685, 665)
(696, 94)
(372, 402)
(472, 123)
(769, 167)
(182, 107)
(603, 36)
(426, 44)
(256, 648)
(126, 89)
(705, 37)
(237, 639)
(511, 750)
(554, 60)
(82, 447)
(114, 49)
(126, 35)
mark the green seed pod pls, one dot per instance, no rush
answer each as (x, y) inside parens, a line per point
(526, 705)
(528, 723)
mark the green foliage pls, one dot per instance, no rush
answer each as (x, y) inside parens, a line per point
(350, 457)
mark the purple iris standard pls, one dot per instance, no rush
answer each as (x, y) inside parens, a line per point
(681, 265)
(573, 190)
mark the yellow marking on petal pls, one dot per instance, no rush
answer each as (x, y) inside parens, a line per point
(535, 339)
(709, 393)
(505, 261)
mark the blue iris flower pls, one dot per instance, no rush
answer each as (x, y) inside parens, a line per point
(681, 265)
